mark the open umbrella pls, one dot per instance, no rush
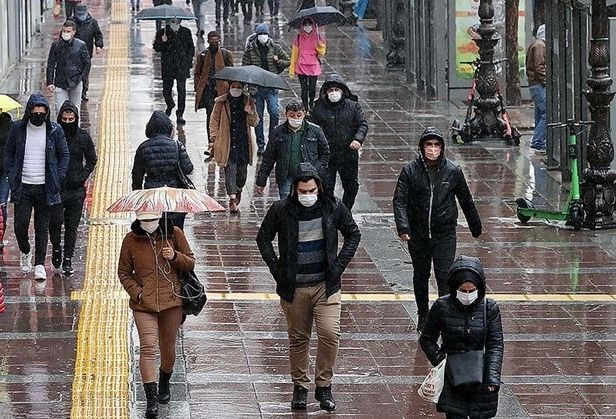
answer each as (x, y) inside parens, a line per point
(165, 199)
(164, 11)
(322, 15)
(252, 74)
(8, 104)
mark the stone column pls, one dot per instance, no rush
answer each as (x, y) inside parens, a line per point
(598, 180)
(396, 55)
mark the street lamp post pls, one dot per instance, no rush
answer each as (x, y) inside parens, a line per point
(598, 186)
(486, 123)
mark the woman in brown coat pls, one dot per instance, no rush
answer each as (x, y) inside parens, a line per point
(149, 269)
(232, 139)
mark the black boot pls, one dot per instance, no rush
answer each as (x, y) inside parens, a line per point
(151, 396)
(324, 395)
(300, 398)
(164, 394)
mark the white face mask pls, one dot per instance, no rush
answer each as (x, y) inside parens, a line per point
(308, 200)
(334, 96)
(175, 26)
(295, 123)
(149, 226)
(466, 298)
(308, 28)
(235, 92)
(67, 36)
(263, 38)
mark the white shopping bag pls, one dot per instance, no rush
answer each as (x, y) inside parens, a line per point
(430, 389)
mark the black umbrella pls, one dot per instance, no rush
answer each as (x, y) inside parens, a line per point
(164, 11)
(322, 15)
(251, 74)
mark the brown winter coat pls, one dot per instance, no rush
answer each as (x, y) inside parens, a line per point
(535, 63)
(139, 273)
(202, 70)
(220, 129)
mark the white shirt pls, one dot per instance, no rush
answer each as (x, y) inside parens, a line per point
(34, 157)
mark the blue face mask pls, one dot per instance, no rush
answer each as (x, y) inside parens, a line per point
(81, 17)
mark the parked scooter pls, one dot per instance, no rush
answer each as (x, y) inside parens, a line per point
(573, 213)
(464, 133)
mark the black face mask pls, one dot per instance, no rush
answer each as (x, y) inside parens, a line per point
(213, 49)
(37, 119)
(69, 128)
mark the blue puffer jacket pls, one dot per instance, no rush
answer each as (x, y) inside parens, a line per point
(56, 155)
(156, 159)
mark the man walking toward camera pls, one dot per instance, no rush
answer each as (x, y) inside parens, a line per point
(426, 215)
(307, 272)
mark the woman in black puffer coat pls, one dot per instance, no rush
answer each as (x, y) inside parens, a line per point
(157, 158)
(458, 319)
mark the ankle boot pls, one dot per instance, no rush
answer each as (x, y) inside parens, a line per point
(164, 394)
(324, 395)
(151, 396)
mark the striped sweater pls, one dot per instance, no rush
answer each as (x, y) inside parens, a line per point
(311, 255)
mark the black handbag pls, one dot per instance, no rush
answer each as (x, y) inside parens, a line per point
(192, 293)
(466, 368)
(184, 180)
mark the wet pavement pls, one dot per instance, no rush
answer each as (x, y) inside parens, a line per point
(556, 287)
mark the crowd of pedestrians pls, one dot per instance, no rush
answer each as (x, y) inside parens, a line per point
(47, 165)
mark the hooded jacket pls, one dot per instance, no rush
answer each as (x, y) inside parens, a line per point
(5, 127)
(157, 158)
(343, 121)
(176, 54)
(462, 329)
(82, 152)
(89, 32)
(141, 271)
(56, 154)
(424, 210)
(68, 63)
(282, 220)
(313, 146)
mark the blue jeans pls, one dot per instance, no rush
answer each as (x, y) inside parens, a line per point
(269, 96)
(4, 197)
(284, 188)
(537, 93)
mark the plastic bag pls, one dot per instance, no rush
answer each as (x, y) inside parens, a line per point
(430, 389)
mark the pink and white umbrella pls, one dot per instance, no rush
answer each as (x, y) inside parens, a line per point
(166, 199)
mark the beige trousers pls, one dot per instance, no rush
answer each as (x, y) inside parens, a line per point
(157, 330)
(308, 304)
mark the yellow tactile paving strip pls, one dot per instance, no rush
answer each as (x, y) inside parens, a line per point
(384, 297)
(102, 365)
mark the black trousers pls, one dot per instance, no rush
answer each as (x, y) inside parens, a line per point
(69, 216)
(168, 94)
(207, 102)
(86, 81)
(424, 253)
(247, 10)
(274, 5)
(347, 165)
(224, 5)
(69, 7)
(309, 88)
(33, 197)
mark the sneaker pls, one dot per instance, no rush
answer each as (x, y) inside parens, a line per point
(233, 206)
(25, 261)
(39, 273)
(324, 395)
(132, 9)
(300, 398)
(538, 149)
(56, 258)
(67, 267)
(181, 121)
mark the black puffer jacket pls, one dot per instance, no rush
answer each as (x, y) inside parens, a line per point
(156, 159)
(89, 32)
(462, 329)
(342, 121)
(5, 128)
(282, 220)
(81, 147)
(176, 54)
(68, 63)
(430, 211)
(314, 151)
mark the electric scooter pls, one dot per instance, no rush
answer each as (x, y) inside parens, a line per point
(462, 133)
(573, 213)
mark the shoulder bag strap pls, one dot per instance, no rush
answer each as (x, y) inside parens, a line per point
(485, 323)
